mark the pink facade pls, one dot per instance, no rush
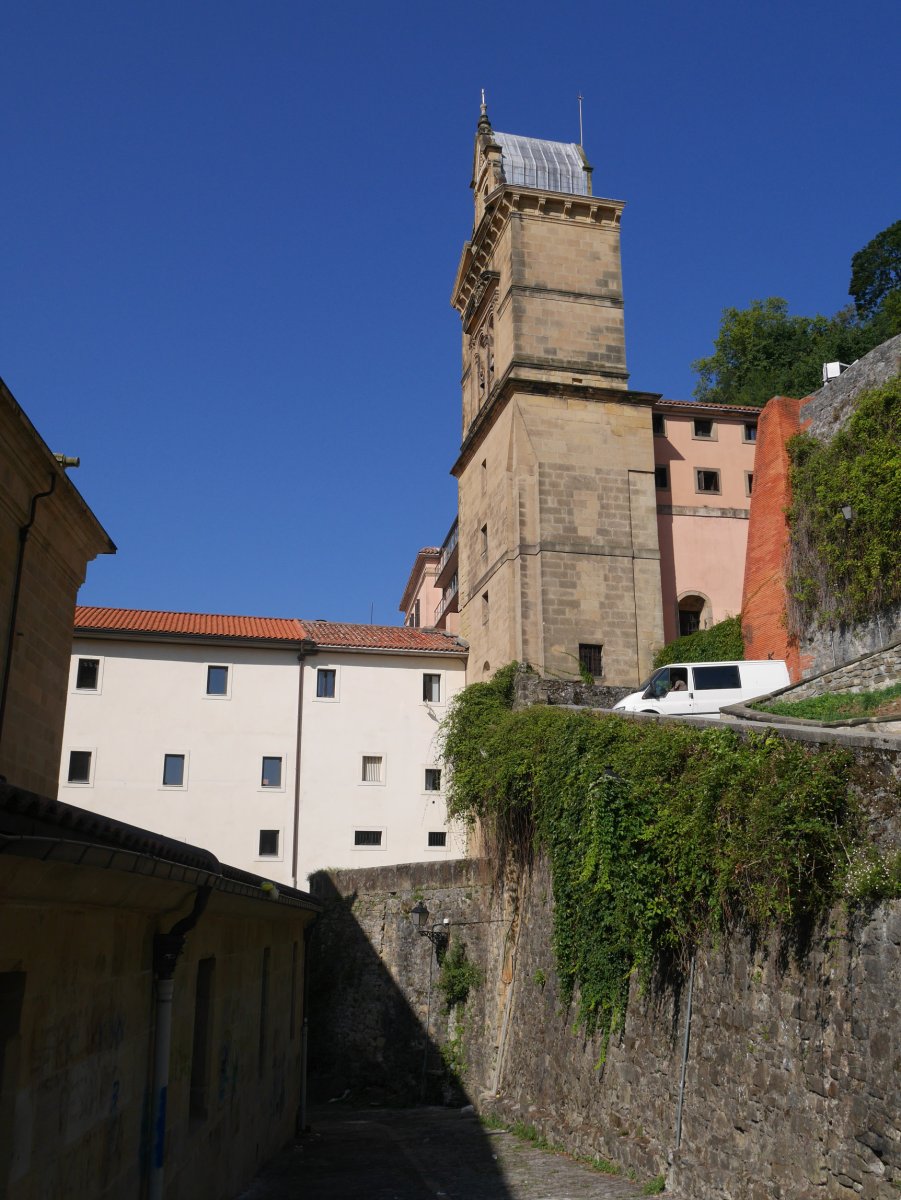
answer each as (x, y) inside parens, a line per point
(430, 597)
(704, 465)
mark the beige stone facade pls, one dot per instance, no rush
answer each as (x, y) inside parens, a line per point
(47, 537)
(558, 527)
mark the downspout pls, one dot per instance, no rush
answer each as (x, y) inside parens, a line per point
(17, 587)
(166, 950)
(307, 647)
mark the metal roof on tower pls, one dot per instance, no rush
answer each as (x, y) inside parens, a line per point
(536, 163)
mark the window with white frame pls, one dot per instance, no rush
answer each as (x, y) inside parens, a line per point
(432, 779)
(217, 680)
(370, 839)
(437, 839)
(326, 680)
(269, 843)
(81, 763)
(173, 770)
(87, 675)
(431, 687)
(373, 768)
(272, 772)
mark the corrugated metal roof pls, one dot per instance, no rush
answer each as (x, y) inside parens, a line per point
(536, 163)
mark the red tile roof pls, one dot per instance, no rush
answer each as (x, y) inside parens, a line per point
(381, 637)
(282, 629)
(135, 620)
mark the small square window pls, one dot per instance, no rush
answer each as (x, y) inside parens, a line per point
(272, 772)
(750, 431)
(661, 478)
(269, 843)
(372, 768)
(88, 674)
(431, 688)
(79, 766)
(707, 481)
(703, 427)
(325, 683)
(433, 779)
(437, 838)
(173, 770)
(217, 681)
(749, 482)
(367, 837)
(592, 659)
(658, 424)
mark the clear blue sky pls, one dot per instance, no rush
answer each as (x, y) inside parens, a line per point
(229, 233)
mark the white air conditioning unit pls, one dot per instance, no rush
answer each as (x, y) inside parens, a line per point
(833, 370)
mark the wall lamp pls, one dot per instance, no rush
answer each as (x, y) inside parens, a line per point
(438, 936)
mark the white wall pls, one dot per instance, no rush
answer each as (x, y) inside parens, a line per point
(152, 701)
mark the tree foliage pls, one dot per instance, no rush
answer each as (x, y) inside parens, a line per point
(876, 271)
(763, 351)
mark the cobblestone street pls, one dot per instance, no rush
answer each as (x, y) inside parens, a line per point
(422, 1154)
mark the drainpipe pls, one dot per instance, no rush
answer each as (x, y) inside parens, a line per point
(17, 586)
(307, 647)
(166, 950)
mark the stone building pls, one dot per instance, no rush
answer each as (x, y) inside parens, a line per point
(48, 535)
(559, 560)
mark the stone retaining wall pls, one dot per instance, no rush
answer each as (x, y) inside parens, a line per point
(531, 688)
(793, 1071)
(867, 673)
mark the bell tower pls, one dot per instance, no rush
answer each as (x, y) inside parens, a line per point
(559, 561)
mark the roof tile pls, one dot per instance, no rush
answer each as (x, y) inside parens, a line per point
(381, 637)
(135, 620)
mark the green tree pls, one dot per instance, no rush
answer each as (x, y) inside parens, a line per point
(763, 351)
(876, 272)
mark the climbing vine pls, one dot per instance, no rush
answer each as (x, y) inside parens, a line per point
(721, 642)
(656, 834)
(842, 568)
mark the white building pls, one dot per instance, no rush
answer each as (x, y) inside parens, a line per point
(283, 746)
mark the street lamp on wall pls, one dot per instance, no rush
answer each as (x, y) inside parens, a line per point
(438, 936)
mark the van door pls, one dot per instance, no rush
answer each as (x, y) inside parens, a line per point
(669, 692)
(715, 686)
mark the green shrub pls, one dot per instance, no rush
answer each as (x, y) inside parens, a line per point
(458, 976)
(721, 642)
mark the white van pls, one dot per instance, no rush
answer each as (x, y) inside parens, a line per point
(702, 689)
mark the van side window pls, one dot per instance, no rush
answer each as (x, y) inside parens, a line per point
(709, 679)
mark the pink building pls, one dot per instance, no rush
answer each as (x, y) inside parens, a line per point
(704, 473)
(430, 597)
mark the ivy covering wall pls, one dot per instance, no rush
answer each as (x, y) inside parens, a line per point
(721, 642)
(658, 834)
(842, 571)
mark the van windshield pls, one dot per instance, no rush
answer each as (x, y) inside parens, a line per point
(664, 681)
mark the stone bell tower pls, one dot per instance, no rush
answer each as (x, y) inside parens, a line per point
(559, 561)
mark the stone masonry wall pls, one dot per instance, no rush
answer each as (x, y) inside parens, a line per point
(793, 1072)
(867, 673)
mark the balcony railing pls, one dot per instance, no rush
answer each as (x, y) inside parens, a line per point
(448, 547)
(449, 598)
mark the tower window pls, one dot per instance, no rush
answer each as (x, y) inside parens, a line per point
(483, 541)
(658, 424)
(707, 481)
(484, 608)
(661, 478)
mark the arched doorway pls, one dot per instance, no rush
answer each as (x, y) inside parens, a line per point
(693, 613)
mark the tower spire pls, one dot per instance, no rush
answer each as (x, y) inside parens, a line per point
(484, 124)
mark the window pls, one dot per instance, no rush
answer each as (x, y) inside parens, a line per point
(372, 768)
(709, 679)
(79, 766)
(592, 659)
(325, 683)
(88, 674)
(437, 839)
(269, 843)
(707, 481)
(431, 688)
(483, 541)
(217, 681)
(703, 427)
(749, 482)
(484, 608)
(484, 475)
(413, 618)
(658, 424)
(750, 431)
(433, 779)
(173, 770)
(272, 772)
(661, 478)
(367, 837)
(200, 1054)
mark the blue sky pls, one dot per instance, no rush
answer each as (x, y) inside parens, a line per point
(228, 234)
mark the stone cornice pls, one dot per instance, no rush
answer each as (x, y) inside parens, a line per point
(699, 510)
(506, 201)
